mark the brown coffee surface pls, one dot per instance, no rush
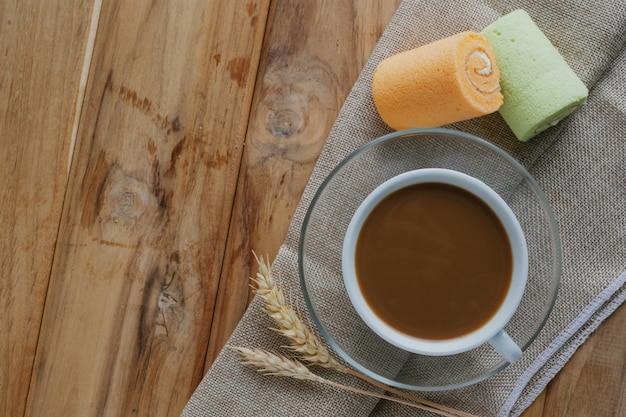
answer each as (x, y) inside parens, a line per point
(433, 261)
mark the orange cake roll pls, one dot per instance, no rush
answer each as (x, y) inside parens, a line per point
(446, 81)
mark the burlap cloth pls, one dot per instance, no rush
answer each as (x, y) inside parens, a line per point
(580, 164)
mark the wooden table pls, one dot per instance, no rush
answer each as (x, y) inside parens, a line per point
(141, 166)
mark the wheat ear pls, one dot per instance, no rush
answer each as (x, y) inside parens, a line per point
(271, 364)
(303, 341)
(306, 343)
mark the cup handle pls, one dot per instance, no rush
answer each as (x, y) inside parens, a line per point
(505, 346)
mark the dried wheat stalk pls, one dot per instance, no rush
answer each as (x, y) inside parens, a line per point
(304, 342)
(272, 364)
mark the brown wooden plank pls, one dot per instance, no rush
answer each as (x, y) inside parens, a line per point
(41, 50)
(143, 231)
(312, 56)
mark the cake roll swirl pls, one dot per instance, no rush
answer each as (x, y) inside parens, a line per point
(450, 80)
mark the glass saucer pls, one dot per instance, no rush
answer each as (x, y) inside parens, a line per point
(326, 221)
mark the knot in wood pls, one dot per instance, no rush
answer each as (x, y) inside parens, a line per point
(284, 123)
(125, 200)
(128, 203)
(166, 300)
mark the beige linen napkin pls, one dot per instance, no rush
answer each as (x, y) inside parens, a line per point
(580, 164)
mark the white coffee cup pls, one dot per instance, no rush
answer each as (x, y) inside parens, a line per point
(492, 331)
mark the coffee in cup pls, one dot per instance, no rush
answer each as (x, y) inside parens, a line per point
(435, 262)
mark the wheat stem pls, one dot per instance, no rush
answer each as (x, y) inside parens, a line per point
(303, 341)
(272, 364)
(405, 395)
(389, 398)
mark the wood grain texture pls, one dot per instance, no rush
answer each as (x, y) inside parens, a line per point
(143, 232)
(201, 124)
(310, 60)
(41, 46)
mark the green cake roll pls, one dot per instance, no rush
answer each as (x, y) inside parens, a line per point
(538, 86)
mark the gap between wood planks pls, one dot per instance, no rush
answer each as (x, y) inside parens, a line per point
(84, 77)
